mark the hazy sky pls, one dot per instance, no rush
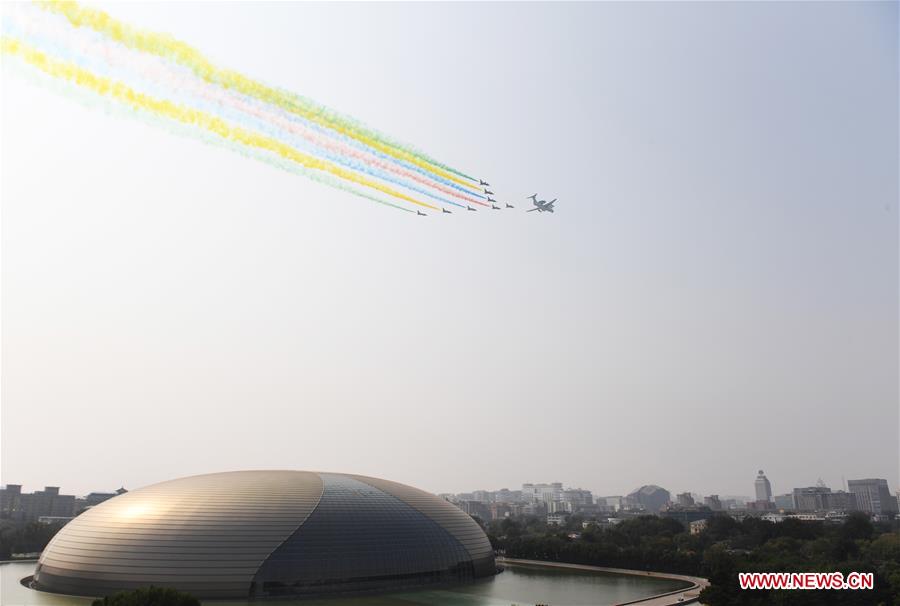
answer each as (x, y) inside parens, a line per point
(717, 293)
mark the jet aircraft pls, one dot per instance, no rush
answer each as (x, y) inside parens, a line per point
(470, 208)
(421, 214)
(490, 193)
(483, 182)
(447, 211)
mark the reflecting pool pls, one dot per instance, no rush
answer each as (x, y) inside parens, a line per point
(519, 584)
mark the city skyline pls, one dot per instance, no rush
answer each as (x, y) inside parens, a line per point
(748, 496)
(716, 293)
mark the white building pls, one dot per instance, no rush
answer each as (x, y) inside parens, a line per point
(763, 487)
(542, 493)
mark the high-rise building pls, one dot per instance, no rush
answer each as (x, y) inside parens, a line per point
(542, 493)
(505, 495)
(482, 496)
(713, 502)
(811, 498)
(873, 496)
(577, 497)
(821, 498)
(763, 487)
(16, 505)
(476, 509)
(560, 506)
(685, 499)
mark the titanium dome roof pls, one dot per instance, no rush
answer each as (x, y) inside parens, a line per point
(266, 533)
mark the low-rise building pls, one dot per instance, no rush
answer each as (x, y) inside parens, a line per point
(686, 515)
(55, 519)
(784, 501)
(698, 526)
(500, 511)
(557, 519)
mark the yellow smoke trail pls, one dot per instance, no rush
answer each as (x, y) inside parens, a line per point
(167, 47)
(166, 109)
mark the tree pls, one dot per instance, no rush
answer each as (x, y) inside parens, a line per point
(149, 596)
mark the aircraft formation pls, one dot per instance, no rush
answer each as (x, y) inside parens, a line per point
(541, 206)
(153, 76)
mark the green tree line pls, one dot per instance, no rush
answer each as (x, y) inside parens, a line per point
(20, 537)
(725, 548)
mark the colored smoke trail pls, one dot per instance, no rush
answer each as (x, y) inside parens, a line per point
(153, 74)
(167, 109)
(167, 47)
(137, 70)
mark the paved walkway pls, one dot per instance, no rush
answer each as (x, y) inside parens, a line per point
(672, 598)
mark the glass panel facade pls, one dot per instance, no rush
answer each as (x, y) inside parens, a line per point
(362, 538)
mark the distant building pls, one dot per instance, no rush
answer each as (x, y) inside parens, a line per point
(821, 498)
(698, 526)
(784, 501)
(482, 496)
(544, 493)
(734, 501)
(811, 498)
(686, 515)
(650, 497)
(10, 500)
(20, 506)
(577, 497)
(612, 503)
(95, 498)
(475, 508)
(55, 519)
(560, 506)
(873, 496)
(806, 517)
(500, 511)
(713, 502)
(685, 499)
(592, 510)
(534, 509)
(841, 501)
(557, 519)
(505, 495)
(763, 487)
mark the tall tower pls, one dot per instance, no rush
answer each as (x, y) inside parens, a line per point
(763, 488)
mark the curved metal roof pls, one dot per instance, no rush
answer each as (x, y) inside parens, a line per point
(265, 533)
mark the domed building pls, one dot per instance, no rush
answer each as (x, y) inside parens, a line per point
(258, 534)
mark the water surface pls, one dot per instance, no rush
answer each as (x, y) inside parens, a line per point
(522, 585)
